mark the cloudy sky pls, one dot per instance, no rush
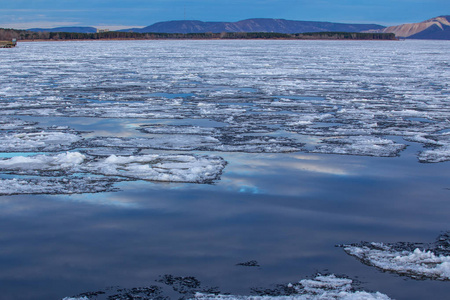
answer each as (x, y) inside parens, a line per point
(116, 14)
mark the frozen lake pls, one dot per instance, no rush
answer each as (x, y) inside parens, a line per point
(240, 163)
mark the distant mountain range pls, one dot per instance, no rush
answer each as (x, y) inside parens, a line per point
(437, 28)
(66, 29)
(253, 25)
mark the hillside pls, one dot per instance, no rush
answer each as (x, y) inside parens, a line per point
(436, 28)
(253, 25)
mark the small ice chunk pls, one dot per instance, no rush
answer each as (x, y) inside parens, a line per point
(47, 185)
(435, 155)
(68, 162)
(321, 287)
(406, 259)
(37, 141)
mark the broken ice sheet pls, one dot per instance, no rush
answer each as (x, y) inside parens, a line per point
(360, 145)
(320, 287)
(414, 260)
(15, 124)
(326, 287)
(224, 143)
(174, 129)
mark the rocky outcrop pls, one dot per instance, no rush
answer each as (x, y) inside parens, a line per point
(435, 28)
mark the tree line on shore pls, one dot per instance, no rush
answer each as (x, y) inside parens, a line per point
(8, 34)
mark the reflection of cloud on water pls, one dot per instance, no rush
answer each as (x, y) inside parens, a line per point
(116, 200)
(318, 169)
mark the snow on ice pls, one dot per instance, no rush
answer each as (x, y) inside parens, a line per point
(320, 287)
(413, 260)
(157, 167)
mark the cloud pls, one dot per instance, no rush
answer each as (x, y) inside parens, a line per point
(37, 24)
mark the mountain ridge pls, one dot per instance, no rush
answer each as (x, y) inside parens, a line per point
(253, 25)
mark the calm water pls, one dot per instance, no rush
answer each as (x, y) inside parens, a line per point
(285, 208)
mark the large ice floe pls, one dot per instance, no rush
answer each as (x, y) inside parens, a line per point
(321, 287)
(73, 172)
(415, 260)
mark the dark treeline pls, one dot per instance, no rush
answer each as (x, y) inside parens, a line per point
(8, 34)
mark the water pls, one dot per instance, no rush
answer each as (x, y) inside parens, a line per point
(285, 198)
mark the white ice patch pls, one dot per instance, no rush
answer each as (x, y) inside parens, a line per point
(37, 141)
(328, 287)
(439, 154)
(156, 167)
(360, 145)
(171, 168)
(415, 263)
(24, 164)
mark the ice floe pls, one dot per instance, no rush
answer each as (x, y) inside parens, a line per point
(58, 185)
(360, 145)
(171, 168)
(411, 259)
(61, 173)
(320, 287)
(38, 141)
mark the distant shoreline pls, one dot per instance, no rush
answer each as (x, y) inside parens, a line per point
(23, 35)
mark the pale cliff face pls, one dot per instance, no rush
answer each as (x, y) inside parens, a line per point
(407, 30)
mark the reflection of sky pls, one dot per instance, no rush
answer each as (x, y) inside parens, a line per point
(73, 244)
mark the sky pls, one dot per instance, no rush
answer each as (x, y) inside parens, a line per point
(118, 14)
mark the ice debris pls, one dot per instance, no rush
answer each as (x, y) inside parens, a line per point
(415, 260)
(321, 287)
(58, 185)
(223, 143)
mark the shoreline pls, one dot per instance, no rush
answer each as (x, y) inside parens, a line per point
(199, 39)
